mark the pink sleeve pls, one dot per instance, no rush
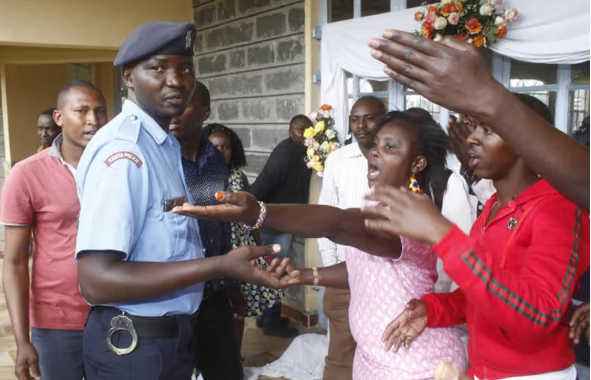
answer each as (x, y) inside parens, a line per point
(16, 206)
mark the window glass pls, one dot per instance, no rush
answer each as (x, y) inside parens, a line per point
(578, 108)
(340, 10)
(374, 7)
(525, 74)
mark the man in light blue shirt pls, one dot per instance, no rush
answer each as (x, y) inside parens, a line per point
(141, 266)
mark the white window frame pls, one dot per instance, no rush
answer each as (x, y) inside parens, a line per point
(501, 70)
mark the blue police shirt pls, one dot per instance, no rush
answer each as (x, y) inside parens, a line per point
(126, 172)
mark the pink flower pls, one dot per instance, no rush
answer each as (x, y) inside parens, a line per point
(336, 146)
(495, 2)
(430, 18)
(313, 115)
(500, 20)
(309, 164)
(454, 18)
(511, 14)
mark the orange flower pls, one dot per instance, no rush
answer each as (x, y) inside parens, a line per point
(478, 41)
(433, 10)
(474, 26)
(447, 9)
(458, 7)
(501, 31)
(326, 107)
(419, 16)
(427, 29)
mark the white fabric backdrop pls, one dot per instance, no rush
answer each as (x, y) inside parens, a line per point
(547, 31)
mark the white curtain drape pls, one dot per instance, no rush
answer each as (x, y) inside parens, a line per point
(547, 31)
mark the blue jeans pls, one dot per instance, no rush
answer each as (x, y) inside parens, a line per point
(60, 353)
(284, 240)
(152, 359)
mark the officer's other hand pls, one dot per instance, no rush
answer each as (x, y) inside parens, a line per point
(240, 263)
(241, 207)
(26, 365)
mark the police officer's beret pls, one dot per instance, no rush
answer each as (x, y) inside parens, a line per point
(170, 38)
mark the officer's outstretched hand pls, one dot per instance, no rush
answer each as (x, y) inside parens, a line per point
(240, 263)
(239, 207)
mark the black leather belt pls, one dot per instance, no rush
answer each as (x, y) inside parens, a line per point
(149, 327)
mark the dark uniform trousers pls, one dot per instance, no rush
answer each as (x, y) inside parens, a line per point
(152, 359)
(216, 347)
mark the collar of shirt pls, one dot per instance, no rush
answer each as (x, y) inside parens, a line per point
(153, 128)
(56, 151)
(206, 151)
(354, 151)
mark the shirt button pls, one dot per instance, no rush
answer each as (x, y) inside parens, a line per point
(133, 117)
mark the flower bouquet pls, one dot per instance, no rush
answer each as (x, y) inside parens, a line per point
(321, 139)
(478, 22)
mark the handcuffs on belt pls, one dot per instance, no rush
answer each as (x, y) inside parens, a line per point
(122, 323)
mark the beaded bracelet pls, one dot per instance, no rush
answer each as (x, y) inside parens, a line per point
(261, 219)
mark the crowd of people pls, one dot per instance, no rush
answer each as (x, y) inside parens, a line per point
(150, 246)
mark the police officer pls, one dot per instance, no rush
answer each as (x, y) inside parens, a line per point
(140, 266)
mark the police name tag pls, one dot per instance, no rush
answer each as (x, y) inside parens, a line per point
(171, 203)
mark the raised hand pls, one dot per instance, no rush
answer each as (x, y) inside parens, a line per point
(451, 73)
(26, 366)
(241, 207)
(579, 322)
(406, 326)
(408, 214)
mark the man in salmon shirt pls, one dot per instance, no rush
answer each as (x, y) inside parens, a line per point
(39, 197)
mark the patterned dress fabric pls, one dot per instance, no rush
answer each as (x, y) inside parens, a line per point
(258, 298)
(380, 288)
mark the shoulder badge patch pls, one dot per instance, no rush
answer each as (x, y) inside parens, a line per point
(123, 155)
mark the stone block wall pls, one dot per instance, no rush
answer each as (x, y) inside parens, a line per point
(250, 54)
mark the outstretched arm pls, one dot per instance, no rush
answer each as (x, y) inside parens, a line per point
(346, 227)
(454, 75)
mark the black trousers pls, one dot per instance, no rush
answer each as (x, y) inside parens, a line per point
(217, 354)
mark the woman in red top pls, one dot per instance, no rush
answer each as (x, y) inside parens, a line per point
(516, 271)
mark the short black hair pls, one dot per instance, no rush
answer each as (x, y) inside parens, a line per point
(238, 159)
(537, 106)
(75, 83)
(371, 98)
(420, 113)
(433, 144)
(203, 92)
(298, 118)
(48, 112)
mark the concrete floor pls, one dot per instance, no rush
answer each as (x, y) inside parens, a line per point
(257, 348)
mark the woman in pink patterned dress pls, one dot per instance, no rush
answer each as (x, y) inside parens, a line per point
(383, 272)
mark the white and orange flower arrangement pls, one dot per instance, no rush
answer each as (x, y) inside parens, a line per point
(321, 139)
(478, 22)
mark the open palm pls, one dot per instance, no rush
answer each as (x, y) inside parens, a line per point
(406, 326)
